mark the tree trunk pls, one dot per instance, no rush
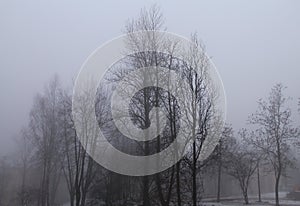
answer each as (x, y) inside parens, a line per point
(194, 182)
(277, 189)
(178, 183)
(258, 184)
(219, 184)
(246, 199)
(71, 198)
(159, 190)
(146, 200)
(219, 175)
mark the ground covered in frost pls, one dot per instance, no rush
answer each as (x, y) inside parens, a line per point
(267, 200)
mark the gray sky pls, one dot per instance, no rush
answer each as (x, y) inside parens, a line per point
(254, 44)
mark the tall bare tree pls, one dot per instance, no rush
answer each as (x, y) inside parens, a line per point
(200, 108)
(274, 133)
(147, 53)
(44, 132)
(78, 167)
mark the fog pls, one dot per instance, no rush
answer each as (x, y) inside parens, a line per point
(253, 44)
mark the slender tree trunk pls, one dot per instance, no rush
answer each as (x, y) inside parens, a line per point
(258, 184)
(178, 184)
(157, 176)
(277, 188)
(71, 199)
(146, 200)
(194, 181)
(219, 172)
(83, 199)
(23, 198)
(246, 199)
(219, 181)
(278, 175)
(159, 190)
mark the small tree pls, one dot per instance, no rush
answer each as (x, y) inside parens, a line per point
(241, 163)
(260, 158)
(224, 143)
(25, 194)
(4, 174)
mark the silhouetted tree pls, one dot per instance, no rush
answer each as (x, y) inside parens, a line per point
(274, 132)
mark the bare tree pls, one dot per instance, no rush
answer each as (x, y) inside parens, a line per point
(44, 133)
(241, 163)
(147, 53)
(78, 167)
(258, 181)
(25, 153)
(274, 132)
(4, 178)
(221, 149)
(200, 108)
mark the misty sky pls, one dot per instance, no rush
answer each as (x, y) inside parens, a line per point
(254, 44)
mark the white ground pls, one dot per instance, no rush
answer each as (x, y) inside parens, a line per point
(267, 200)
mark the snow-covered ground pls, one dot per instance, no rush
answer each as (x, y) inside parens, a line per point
(267, 200)
(282, 203)
(264, 203)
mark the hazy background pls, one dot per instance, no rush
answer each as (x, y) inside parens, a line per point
(254, 44)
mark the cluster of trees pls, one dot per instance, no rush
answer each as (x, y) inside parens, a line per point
(268, 145)
(51, 157)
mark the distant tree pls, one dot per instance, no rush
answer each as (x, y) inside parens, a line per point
(4, 179)
(79, 169)
(260, 162)
(44, 131)
(240, 162)
(25, 151)
(274, 133)
(221, 149)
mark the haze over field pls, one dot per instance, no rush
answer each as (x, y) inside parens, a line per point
(253, 44)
